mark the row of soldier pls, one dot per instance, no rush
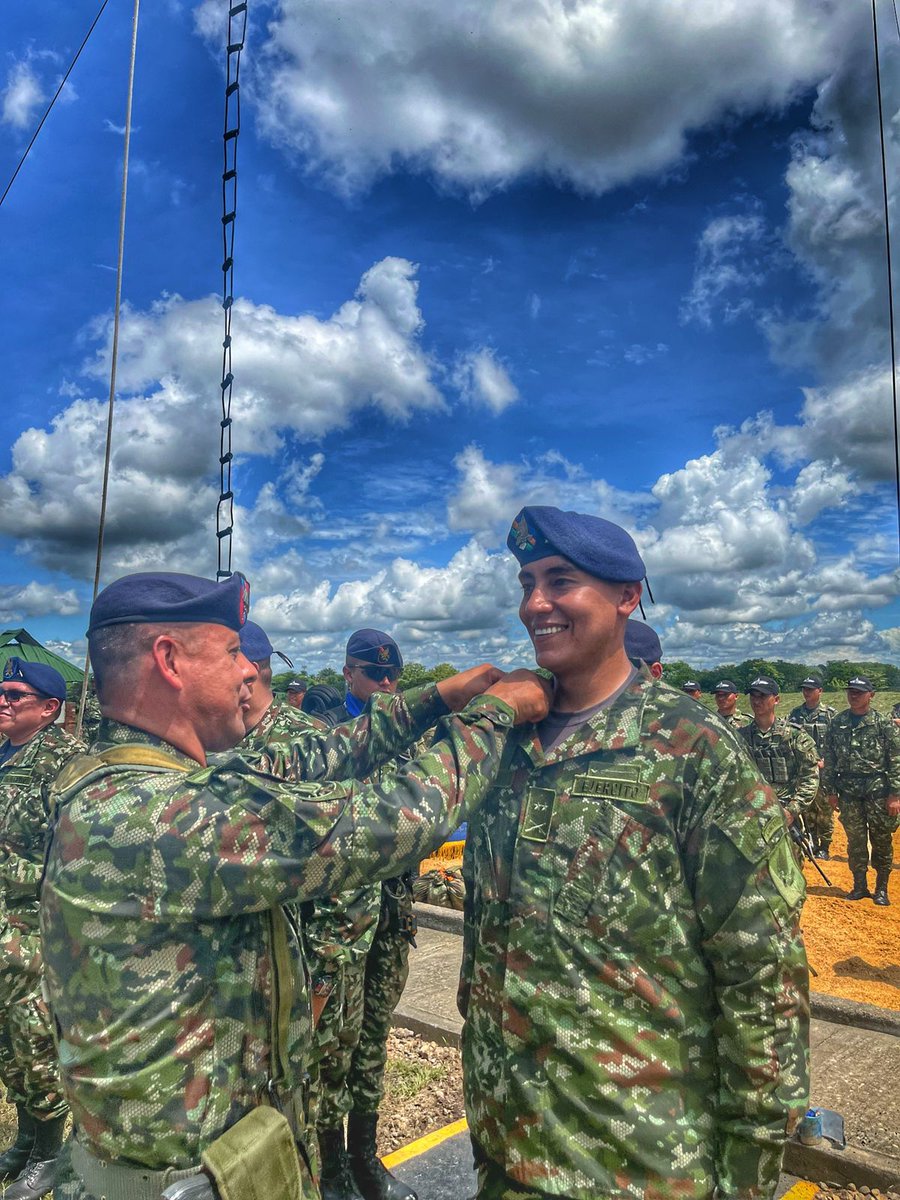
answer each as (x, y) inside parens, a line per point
(820, 761)
(634, 984)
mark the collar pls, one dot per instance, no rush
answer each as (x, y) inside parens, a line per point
(117, 733)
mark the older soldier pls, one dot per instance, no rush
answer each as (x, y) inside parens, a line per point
(726, 693)
(31, 753)
(786, 756)
(362, 940)
(814, 717)
(634, 981)
(176, 983)
(862, 779)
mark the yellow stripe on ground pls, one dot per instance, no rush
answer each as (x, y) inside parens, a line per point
(430, 1140)
(802, 1190)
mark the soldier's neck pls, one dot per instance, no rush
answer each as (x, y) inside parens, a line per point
(764, 724)
(583, 689)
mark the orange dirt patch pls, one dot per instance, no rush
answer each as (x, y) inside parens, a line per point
(852, 945)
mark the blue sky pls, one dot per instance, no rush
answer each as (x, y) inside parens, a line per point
(622, 257)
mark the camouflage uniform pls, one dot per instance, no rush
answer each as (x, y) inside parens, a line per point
(788, 760)
(178, 988)
(862, 768)
(634, 981)
(27, 1054)
(737, 720)
(815, 722)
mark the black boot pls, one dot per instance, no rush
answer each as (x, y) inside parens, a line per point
(337, 1178)
(13, 1160)
(824, 851)
(860, 886)
(882, 879)
(39, 1176)
(372, 1177)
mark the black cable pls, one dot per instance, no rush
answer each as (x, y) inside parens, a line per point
(890, 278)
(896, 18)
(53, 101)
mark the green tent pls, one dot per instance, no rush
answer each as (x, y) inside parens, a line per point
(18, 643)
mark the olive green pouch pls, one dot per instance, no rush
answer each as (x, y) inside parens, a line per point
(256, 1159)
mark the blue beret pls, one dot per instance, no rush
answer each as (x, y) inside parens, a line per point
(43, 678)
(642, 642)
(254, 643)
(597, 546)
(159, 597)
(376, 647)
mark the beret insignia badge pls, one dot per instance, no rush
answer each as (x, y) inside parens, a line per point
(384, 654)
(244, 602)
(524, 539)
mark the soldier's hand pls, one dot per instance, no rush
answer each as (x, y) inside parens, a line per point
(458, 690)
(833, 801)
(528, 693)
(892, 804)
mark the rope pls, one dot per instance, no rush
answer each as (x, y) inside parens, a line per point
(62, 84)
(114, 358)
(237, 30)
(890, 279)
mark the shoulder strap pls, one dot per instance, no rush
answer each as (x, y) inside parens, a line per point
(129, 754)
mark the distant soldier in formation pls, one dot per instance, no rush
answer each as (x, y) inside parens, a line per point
(861, 777)
(692, 688)
(895, 714)
(296, 690)
(642, 644)
(32, 752)
(177, 986)
(726, 694)
(634, 983)
(814, 717)
(362, 942)
(786, 756)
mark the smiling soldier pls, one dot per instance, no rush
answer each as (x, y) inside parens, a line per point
(634, 981)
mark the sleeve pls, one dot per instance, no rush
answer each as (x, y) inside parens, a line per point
(806, 760)
(748, 893)
(336, 931)
(272, 842)
(471, 904)
(355, 749)
(829, 771)
(892, 757)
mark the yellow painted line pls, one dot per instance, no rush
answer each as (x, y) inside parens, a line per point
(430, 1140)
(802, 1190)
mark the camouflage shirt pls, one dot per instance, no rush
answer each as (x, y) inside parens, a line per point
(634, 979)
(814, 721)
(173, 975)
(25, 780)
(737, 720)
(862, 756)
(788, 760)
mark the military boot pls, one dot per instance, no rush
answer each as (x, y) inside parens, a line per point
(823, 851)
(39, 1176)
(860, 887)
(372, 1177)
(13, 1160)
(882, 879)
(336, 1182)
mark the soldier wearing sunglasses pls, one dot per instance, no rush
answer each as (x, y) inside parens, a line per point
(32, 751)
(362, 942)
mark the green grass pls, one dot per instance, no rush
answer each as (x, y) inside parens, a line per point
(404, 1080)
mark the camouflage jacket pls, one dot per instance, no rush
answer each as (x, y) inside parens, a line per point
(177, 986)
(862, 756)
(338, 929)
(788, 760)
(814, 721)
(737, 720)
(634, 979)
(25, 781)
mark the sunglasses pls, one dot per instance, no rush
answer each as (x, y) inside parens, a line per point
(376, 674)
(13, 697)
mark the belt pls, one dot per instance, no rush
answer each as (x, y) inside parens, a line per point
(114, 1181)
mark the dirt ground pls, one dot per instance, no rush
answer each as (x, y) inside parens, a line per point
(853, 946)
(408, 1114)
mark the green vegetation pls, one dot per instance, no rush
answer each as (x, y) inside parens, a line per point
(403, 1079)
(789, 675)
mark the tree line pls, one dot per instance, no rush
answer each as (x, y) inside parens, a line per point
(789, 675)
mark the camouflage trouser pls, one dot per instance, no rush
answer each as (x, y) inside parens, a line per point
(866, 820)
(28, 1066)
(819, 818)
(493, 1184)
(353, 1036)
